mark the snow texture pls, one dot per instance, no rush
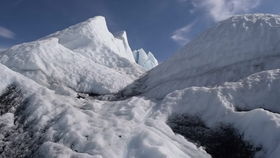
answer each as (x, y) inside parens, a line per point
(228, 75)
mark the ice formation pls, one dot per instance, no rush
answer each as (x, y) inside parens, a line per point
(147, 60)
(85, 57)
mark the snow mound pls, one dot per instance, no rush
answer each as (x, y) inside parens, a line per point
(83, 57)
(233, 49)
(250, 105)
(147, 60)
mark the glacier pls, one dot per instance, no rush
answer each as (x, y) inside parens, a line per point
(233, 49)
(228, 75)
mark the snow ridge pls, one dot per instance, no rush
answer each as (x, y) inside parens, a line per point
(248, 40)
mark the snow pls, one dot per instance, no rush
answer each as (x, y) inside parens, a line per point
(42, 116)
(147, 60)
(83, 58)
(233, 49)
(71, 127)
(228, 75)
(93, 40)
(94, 36)
(50, 64)
(218, 105)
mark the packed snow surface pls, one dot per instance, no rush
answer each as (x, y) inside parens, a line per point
(147, 60)
(228, 75)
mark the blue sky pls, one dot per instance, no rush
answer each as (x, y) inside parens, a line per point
(160, 26)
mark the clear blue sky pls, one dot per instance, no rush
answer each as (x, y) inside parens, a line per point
(160, 26)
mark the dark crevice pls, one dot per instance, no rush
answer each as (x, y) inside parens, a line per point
(127, 92)
(220, 142)
(103, 97)
(247, 108)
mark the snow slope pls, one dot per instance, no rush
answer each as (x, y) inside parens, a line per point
(233, 49)
(38, 122)
(85, 57)
(147, 60)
